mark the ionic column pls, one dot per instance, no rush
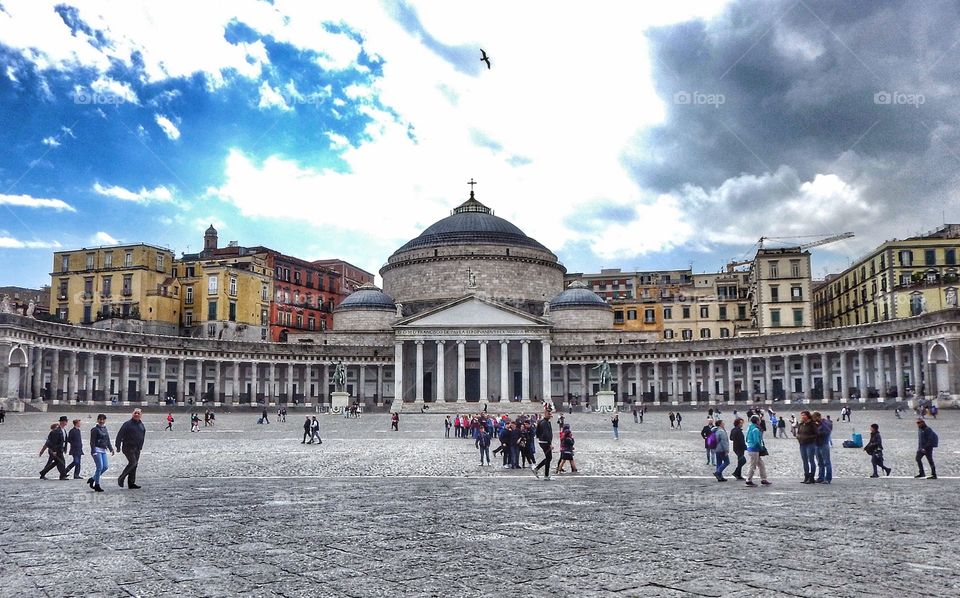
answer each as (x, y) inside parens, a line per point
(378, 396)
(254, 382)
(844, 378)
(199, 378)
(37, 393)
(504, 367)
(55, 375)
(419, 396)
(748, 364)
(546, 372)
(676, 382)
(584, 383)
(484, 372)
(441, 378)
(566, 383)
(656, 382)
(767, 379)
(216, 381)
(525, 370)
(731, 385)
(235, 398)
(862, 365)
(125, 379)
(89, 381)
(805, 388)
(461, 372)
(692, 381)
(290, 374)
(825, 383)
(362, 381)
(641, 380)
(72, 377)
(181, 380)
(269, 393)
(326, 377)
(162, 383)
(107, 375)
(711, 380)
(898, 371)
(916, 363)
(879, 377)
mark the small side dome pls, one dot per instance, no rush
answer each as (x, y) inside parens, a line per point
(367, 296)
(577, 296)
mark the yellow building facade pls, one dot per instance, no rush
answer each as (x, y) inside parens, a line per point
(898, 279)
(103, 285)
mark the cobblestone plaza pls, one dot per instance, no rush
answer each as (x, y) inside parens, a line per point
(247, 509)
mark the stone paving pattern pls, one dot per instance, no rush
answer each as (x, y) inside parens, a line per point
(245, 509)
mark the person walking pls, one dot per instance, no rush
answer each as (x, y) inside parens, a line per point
(75, 440)
(739, 447)
(483, 443)
(782, 426)
(679, 419)
(874, 448)
(395, 421)
(446, 427)
(755, 450)
(169, 423)
(708, 443)
(315, 431)
(615, 421)
(99, 445)
(927, 440)
(55, 446)
(307, 427)
(807, 437)
(3, 414)
(672, 419)
(545, 438)
(824, 466)
(263, 417)
(722, 450)
(130, 442)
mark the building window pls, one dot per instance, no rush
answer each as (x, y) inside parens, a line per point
(668, 334)
(741, 312)
(89, 261)
(917, 303)
(264, 317)
(188, 295)
(212, 310)
(233, 286)
(188, 317)
(299, 321)
(686, 334)
(106, 290)
(311, 323)
(618, 317)
(189, 272)
(667, 313)
(722, 312)
(795, 268)
(127, 285)
(704, 333)
(686, 312)
(631, 314)
(796, 293)
(87, 289)
(62, 295)
(127, 259)
(774, 270)
(264, 293)
(108, 259)
(905, 278)
(159, 262)
(87, 312)
(64, 263)
(211, 330)
(233, 311)
(930, 257)
(296, 276)
(950, 256)
(906, 258)
(704, 311)
(724, 333)
(648, 316)
(63, 314)
(798, 317)
(775, 318)
(774, 293)
(212, 285)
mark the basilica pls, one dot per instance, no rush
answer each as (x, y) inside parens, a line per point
(475, 311)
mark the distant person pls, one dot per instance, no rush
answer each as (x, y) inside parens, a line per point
(874, 448)
(739, 445)
(263, 417)
(673, 419)
(807, 437)
(75, 440)
(307, 427)
(721, 450)
(3, 414)
(615, 422)
(315, 431)
(927, 440)
(483, 443)
(544, 434)
(395, 421)
(447, 424)
(679, 419)
(99, 445)
(130, 442)
(824, 464)
(755, 448)
(55, 446)
(169, 423)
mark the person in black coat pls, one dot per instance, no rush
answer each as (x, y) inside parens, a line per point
(75, 440)
(55, 446)
(739, 445)
(874, 448)
(130, 442)
(545, 438)
(306, 431)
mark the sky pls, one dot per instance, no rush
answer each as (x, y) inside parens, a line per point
(618, 134)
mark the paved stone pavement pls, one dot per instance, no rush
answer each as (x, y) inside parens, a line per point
(242, 509)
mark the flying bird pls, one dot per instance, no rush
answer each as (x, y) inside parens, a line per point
(484, 58)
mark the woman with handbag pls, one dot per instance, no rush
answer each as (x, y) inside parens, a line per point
(756, 450)
(874, 448)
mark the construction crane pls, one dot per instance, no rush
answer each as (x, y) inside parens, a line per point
(733, 264)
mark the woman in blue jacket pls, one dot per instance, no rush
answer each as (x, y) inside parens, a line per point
(754, 446)
(99, 445)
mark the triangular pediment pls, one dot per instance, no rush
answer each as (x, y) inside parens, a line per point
(472, 312)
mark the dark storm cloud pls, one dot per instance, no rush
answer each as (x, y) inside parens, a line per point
(783, 91)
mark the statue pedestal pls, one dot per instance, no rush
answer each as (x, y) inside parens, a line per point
(605, 400)
(339, 399)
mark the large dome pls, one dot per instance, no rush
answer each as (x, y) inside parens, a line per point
(578, 295)
(367, 296)
(471, 223)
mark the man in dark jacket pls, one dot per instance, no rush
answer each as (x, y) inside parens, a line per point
(75, 440)
(130, 442)
(545, 438)
(306, 431)
(739, 447)
(55, 446)
(807, 436)
(927, 440)
(824, 465)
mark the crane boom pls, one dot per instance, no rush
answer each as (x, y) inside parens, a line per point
(827, 240)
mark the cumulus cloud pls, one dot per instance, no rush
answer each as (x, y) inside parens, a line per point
(271, 97)
(27, 201)
(50, 141)
(144, 195)
(8, 242)
(102, 238)
(166, 125)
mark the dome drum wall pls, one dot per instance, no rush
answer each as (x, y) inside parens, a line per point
(583, 318)
(364, 319)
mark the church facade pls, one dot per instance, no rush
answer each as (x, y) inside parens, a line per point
(475, 311)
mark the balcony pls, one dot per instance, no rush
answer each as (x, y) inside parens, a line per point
(126, 292)
(87, 296)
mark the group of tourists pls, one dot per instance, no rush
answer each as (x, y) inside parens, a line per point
(60, 442)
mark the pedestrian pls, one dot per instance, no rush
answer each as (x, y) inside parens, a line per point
(615, 421)
(447, 424)
(55, 446)
(755, 452)
(456, 426)
(545, 438)
(99, 445)
(169, 422)
(3, 414)
(722, 450)
(395, 421)
(642, 409)
(307, 426)
(315, 431)
(927, 440)
(896, 412)
(824, 466)
(672, 419)
(75, 440)
(739, 446)
(483, 443)
(636, 419)
(807, 437)
(130, 442)
(874, 448)
(793, 425)
(782, 426)
(263, 417)
(679, 419)
(708, 442)
(206, 418)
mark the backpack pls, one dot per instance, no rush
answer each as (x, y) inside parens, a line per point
(712, 440)
(934, 439)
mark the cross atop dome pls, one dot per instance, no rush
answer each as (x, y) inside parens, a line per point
(472, 205)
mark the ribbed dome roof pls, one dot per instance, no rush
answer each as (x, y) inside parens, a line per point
(471, 222)
(367, 296)
(577, 295)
